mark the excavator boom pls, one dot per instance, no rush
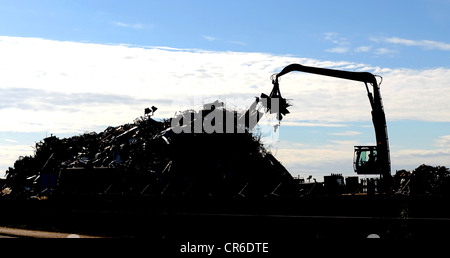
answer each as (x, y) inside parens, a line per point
(355, 76)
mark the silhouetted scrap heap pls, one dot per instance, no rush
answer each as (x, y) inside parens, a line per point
(147, 158)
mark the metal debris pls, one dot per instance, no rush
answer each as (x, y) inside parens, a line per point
(146, 157)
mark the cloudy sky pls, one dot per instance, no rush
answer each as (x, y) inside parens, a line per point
(69, 67)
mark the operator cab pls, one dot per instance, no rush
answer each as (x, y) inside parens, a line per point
(365, 160)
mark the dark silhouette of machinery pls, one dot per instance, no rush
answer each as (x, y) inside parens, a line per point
(367, 159)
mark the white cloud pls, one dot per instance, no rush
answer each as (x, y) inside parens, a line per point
(384, 51)
(45, 82)
(443, 142)
(111, 84)
(234, 42)
(238, 43)
(209, 38)
(338, 50)
(383, 45)
(417, 94)
(426, 44)
(335, 38)
(363, 49)
(129, 25)
(412, 158)
(331, 36)
(342, 44)
(311, 124)
(346, 133)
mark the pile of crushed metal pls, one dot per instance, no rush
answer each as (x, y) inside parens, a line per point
(147, 158)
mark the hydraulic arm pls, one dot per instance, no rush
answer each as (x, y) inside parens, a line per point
(378, 115)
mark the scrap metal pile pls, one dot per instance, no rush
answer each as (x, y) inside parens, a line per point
(146, 157)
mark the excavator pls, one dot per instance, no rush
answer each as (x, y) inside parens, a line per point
(370, 160)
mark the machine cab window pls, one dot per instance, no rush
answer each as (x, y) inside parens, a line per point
(366, 160)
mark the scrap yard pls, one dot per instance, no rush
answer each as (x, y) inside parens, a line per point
(204, 174)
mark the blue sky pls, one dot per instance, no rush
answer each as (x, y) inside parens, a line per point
(187, 45)
(361, 31)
